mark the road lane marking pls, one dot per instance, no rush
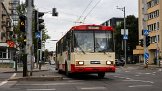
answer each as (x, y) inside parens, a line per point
(5, 81)
(52, 84)
(119, 77)
(128, 78)
(13, 76)
(122, 77)
(127, 71)
(140, 81)
(41, 89)
(137, 75)
(92, 88)
(116, 76)
(147, 73)
(139, 86)
(66, 78)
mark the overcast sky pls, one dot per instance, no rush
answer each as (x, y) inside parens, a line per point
(70, 11)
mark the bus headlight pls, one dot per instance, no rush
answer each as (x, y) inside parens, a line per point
(79, 62)
(108, 62)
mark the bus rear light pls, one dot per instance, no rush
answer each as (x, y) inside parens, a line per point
(79, 62)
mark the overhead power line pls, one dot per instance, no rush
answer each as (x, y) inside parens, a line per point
(84, 11)
(91, 10)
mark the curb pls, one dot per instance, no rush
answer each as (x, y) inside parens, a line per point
(22, 71)
(37, 78)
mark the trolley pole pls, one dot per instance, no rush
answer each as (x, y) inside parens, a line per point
(29, 5)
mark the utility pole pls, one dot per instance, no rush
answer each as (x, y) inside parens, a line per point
(29, 5)
(144, 37)
(125, 40)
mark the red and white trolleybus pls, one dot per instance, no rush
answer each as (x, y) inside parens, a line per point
(86, 49)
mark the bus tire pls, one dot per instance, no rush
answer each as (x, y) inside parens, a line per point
(101, 75)
(66, 69)
(59, 71)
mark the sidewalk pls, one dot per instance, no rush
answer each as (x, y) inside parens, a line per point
(141, 66)
(45, 74)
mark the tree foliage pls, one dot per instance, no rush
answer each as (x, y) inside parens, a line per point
(132, 26)
(21, 10)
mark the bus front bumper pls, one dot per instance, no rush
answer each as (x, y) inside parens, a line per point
(92, 69)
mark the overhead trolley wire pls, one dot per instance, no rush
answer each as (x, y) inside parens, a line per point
(84, 10)
(91, 10)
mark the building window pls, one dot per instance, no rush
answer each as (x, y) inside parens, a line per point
(157, 25)
(153, 27)
(153, 14)
(118, 23)
(3, 53)
(152, 3)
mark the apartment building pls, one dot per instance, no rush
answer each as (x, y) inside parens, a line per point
(7, 45)
(150, 19)
(14, 15)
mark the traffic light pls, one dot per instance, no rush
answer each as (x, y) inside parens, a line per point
(147, 41)
(24, 41)
(141, 42)
(40, 21)
(36, 20)
(129, 47)
(54, 13)
(22, 22)
(39, 43)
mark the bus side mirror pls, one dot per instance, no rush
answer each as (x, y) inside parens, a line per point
(68, 35)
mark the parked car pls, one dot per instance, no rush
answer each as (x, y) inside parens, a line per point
(119, 62)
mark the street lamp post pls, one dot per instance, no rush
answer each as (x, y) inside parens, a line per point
(125, 42)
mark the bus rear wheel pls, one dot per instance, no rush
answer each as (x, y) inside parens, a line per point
(101, 75)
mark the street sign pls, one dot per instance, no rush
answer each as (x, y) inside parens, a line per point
(122, 32)
(146, 32)
(125, 37)
(146, 55)
(38, 35)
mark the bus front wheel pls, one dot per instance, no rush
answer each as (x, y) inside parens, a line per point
(66, 69)
(101, 75)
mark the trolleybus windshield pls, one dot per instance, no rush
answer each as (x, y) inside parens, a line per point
(93, 41)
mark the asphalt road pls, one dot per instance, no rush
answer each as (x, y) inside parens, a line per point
(125, 79)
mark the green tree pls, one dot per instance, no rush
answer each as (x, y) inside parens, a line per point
(132, 26)
(21, 9)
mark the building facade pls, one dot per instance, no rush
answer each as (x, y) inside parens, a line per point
(150, 19)
(14, 15)
(7, 44)
(113, 22)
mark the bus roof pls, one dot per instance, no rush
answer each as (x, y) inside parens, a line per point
(92, 27)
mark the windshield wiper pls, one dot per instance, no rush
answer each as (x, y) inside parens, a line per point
(104, 51)
(81, 49)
